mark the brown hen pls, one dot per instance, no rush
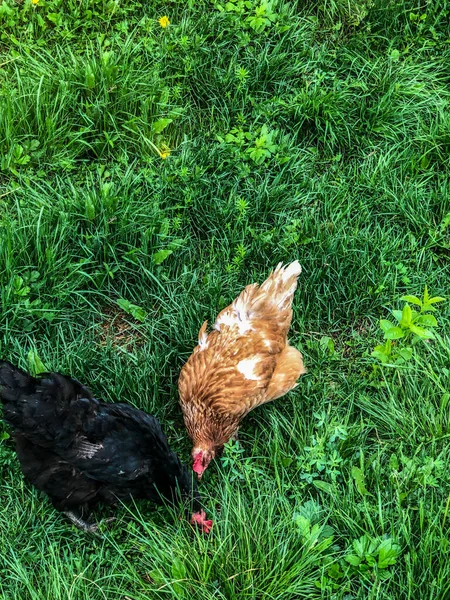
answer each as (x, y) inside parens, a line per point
(243, 362)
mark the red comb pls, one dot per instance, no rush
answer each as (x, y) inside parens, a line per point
(197, 467)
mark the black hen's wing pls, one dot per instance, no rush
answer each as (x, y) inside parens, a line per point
(49, 410)
(120, 444)
(126, 450)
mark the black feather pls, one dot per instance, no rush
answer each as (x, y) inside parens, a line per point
(80, 451)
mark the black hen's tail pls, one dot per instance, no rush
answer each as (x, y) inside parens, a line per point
(14, 382)
(48, 409)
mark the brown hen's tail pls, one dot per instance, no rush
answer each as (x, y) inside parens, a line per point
(275, 295)
(268, 302)
(281, 284)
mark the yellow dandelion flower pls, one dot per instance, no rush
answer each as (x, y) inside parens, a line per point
(164, 153)
(35, 1)
(163, 21)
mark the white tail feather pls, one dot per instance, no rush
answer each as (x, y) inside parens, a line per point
(294, 269)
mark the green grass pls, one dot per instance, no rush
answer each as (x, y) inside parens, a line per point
(320, 132)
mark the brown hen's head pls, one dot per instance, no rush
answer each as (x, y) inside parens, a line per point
(201, 457)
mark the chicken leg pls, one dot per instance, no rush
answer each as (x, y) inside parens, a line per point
(84, 525)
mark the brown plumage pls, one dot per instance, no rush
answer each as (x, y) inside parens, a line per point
(243, 362)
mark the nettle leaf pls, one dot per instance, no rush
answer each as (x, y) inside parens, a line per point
(160, 256)
(362, 546)
(388, 552)
(258, 155)
(326, 532)
(359, 479)
(310, 510)
(412, 300)
(160, 125)
(304, 526)
(132, 309)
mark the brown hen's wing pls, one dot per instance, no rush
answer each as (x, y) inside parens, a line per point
(228, 376)
(287, 371)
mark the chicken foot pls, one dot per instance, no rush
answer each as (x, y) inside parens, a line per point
(84, 525)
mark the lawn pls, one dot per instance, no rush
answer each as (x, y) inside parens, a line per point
(148, 172)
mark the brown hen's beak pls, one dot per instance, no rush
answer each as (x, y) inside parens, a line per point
(199, 519)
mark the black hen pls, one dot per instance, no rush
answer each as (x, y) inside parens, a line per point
(80, 451)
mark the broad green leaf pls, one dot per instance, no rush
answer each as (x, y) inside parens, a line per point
(353, 559)
(323, 486)
(412, 300)
(370, 560)
(132, 309)
(35, 364)
(178, 569)
(311, 510)
(425, 334)
(160, 125)
(406, 316)
(160, 256)
(380, 354)
(178, 589)
(394, 333)
(384, 575)
(427, 320)
(90, 209)
(395, 54)
(359, 479)
(327, 344)
(157, 577)
(405, 353)
(386, 325)
(335, 571)
(393, 462)
(397, 314)
(436, 299)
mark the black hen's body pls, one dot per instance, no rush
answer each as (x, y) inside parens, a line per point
(80, 451)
